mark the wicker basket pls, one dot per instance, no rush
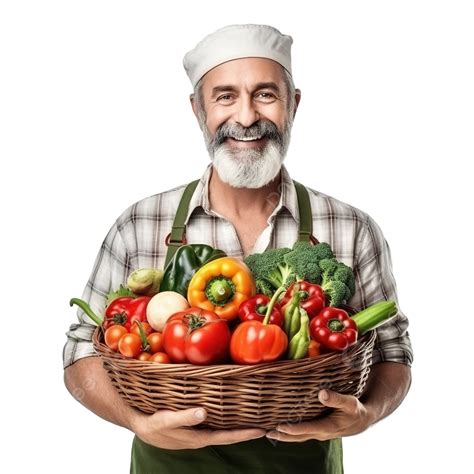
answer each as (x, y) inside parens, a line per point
(237, 396)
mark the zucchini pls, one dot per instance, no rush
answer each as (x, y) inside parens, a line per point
(374, 316)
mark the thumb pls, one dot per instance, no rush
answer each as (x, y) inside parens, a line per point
(188, 417)
(335, 399)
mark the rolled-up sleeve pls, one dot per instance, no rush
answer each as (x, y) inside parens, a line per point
(78, 344)
(110, 270)
(374, 282)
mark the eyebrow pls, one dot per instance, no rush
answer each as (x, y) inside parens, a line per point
(230, 88)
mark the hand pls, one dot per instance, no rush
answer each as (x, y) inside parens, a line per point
(349, 417)
(169, 429)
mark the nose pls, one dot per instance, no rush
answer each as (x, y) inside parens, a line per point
(246, 113)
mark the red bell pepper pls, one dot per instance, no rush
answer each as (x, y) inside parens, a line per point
(126, 310)
(312, 297)
(334, 329)
(253, 342)
(254, 309)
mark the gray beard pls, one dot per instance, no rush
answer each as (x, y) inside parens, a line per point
(248, 168)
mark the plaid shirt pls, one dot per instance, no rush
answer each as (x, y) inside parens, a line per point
(136, 240)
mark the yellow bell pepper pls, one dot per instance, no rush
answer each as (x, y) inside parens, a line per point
(220, 286)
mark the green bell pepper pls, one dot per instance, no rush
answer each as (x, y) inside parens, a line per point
(187, 260)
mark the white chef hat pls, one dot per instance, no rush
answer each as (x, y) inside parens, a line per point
(234, 42)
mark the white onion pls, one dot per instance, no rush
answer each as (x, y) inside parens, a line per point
(162, 306)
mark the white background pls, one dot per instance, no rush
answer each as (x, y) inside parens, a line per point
(94, 116)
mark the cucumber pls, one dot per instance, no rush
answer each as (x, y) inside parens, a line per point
(374, 316)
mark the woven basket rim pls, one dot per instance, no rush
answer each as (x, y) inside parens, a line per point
(240, 396)
(104, 351)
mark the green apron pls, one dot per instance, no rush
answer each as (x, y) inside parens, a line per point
(258, 456)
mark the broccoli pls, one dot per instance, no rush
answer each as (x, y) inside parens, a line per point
(328, 266)
(253, 262)
(338, 281)
(320, 251)
(345, 274)
(305, 257)
(279, 268)
(264, 288)
(270, 270)
(281, 275)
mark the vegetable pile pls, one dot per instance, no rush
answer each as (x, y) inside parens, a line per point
(207, 308)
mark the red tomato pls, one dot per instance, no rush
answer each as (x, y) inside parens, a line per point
(113, 334)
(130, 345)
(196, 336)
(155, 339)
(161, 358)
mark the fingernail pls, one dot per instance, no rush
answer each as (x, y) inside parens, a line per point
(324, 394)
(199, 414)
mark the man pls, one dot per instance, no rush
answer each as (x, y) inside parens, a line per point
(245, 102)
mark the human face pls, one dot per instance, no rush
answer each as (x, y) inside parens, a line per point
(244, 113)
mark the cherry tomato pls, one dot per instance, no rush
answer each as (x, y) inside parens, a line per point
(130, 345)
(144, 356)
(113, 335)
(155, 339)
(146, 328)
(161, 358)
(197, 336)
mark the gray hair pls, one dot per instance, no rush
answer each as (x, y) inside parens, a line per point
(290, 89)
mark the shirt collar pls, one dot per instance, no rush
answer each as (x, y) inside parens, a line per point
(286, 195)
(289, 198)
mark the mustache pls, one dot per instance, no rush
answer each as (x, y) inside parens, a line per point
(261, 128)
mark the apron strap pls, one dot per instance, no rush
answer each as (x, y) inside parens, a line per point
(177, 237)
(305, 232)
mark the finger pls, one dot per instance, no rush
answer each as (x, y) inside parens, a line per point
(337, 400)
(233, 436)
(303, 428)
(316, 428)
(279, 436)
(177, 419)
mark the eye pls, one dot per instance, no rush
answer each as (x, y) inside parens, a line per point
(266, 96)
(224, 98)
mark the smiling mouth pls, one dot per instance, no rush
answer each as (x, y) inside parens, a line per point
(246, 142)
(247, 139)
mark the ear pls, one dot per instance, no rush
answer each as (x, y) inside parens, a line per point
(192, 99)
(194, 106)
(297, 100)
